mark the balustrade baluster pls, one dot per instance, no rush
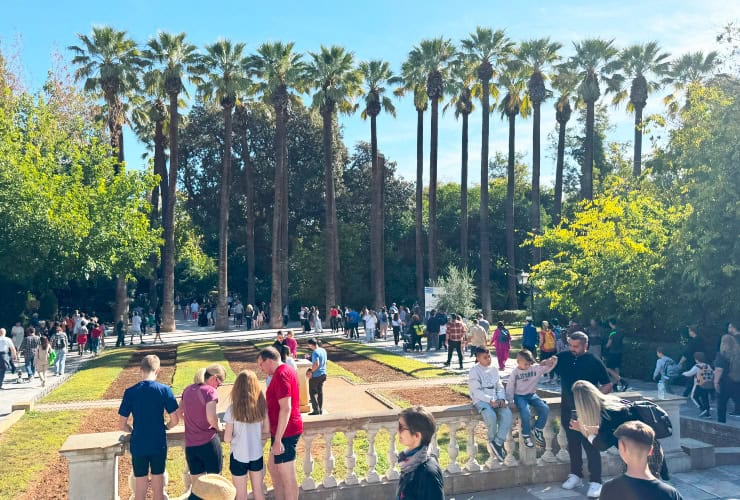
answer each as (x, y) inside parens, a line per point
(308, 482)
(372, 456)
(472, 464)
(453, 449)
(548, 457)
(510, 460)
(329, 479)
(392, 455)
(563, 455)
(434, 446)
(351, 460)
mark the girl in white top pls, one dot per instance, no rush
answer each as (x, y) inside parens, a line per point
(42, 359)
(246, 423)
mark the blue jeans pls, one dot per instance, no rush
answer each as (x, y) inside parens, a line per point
(61, 361)
(94, 342)
(523, 402)
(30, 366)
(498, 421)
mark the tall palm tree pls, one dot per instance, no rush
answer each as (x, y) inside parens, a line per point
(513, 80)
(594, 61)
(538, 55)
(242, 117)
(488, 49)
(463, 75)
(220, 76)
(689, 68)
(436, 55)
(109, 63)
(413, 80)
(376, 74)
(174, 58)
(640, 62)
(279, 71)
(337, 82)
(565, 82)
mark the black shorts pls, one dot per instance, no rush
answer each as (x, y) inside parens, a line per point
(143, 463)
(238, 468)
(205, 458)
(614, 360)
(289, 443)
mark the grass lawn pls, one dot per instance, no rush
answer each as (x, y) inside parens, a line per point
(91, 381)
(332, 369)
(30, 445)
(412, 367)
(194, 356)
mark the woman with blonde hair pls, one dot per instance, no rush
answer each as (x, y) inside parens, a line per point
(246, 423)
(597, 417)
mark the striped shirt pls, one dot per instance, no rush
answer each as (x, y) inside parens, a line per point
(455, 331)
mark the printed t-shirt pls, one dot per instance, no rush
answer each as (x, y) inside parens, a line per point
(194, 399)
(148, 400)
(584, 367)
(523, 382)
(246, 441)
(284, 384)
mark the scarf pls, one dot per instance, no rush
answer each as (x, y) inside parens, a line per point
(410, 460)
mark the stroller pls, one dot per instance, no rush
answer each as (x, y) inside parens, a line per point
(406, 337)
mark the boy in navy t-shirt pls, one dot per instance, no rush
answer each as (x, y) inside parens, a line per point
(148, 400)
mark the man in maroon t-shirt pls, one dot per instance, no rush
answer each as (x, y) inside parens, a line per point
(286, 425)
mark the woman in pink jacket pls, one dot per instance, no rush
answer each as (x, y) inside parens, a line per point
(501, 341)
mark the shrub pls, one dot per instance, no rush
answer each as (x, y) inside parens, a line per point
(510, 317)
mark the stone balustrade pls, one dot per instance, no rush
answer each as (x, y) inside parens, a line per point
(457, 426)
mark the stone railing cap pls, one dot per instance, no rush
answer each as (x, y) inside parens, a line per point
(90, 442)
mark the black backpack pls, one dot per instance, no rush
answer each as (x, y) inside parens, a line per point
(653, 415)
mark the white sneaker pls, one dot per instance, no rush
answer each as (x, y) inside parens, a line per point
(594, 490)
(573, 482)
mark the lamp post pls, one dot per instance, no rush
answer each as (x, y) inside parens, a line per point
(522, 277)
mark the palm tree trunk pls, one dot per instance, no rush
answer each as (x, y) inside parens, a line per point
(331, 257)
(284, 233)
(381, 229)
(637, 164)
(276, 296)
(116, 138)
(587, 171)
(375, 234)
(168, 268)
(535, 216)
(509, 214)
(160, 169)
(222, 311)
(419, 206)
(433, 144)
(485, 256)
(558, 202)
(464, 193)
(249, 191)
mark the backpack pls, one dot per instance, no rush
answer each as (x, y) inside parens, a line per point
(548, 344)
(705, 376)
(58, 342)
(504, 336)
(653, 415)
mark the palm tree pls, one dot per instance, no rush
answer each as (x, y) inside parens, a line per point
(376, 75)
(109, 62)
(436, 55)
(174, 58)
(279, 70)
(640, 62)
(413, 80)
(463, 74)
(242, 113)
(566, 83)
(594, 61)
(488, 49)
(538, 55)
(337, 82)
(220, 76)
(690, 68)
(514, 81)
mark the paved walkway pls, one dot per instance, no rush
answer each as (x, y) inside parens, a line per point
(719, 482)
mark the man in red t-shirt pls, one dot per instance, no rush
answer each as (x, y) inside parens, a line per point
(286, 425)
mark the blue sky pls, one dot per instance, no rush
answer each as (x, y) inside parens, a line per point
(381, 29)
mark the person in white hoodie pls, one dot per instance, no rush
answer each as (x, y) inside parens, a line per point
(489, 398)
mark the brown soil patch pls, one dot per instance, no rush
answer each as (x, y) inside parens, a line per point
(243, 357)
(130, 374)
(368, 370)
(430, 396)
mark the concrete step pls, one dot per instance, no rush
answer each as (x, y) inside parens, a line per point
(701, 453)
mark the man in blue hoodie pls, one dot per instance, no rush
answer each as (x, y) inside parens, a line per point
(530, 339)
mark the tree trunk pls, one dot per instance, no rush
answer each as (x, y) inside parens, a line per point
(464, 193)
(509, 213)
(249, 192)
(381, 229)
(558, 202)
(222, 309)
(168, 268)
(331, 257)
(284, 233)
(419, 205)
(485, 256)
(535, 216)
(433, 145)
(637, 164)
(121, 297)
(276, 296)
(587, 170)
(376, 251)
(160, 169)
(116, 138)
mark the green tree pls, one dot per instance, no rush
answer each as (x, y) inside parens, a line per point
(220, 76)
(489, 49)
(566, 83)
(690, 68)
(376, 74)
(337, 82)
(458, 291)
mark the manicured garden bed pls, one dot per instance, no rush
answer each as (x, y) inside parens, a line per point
(130, 375)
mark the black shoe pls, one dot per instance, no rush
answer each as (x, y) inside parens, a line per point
(539, 437)
(315, 413)
(498, 450)
(445, 364)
